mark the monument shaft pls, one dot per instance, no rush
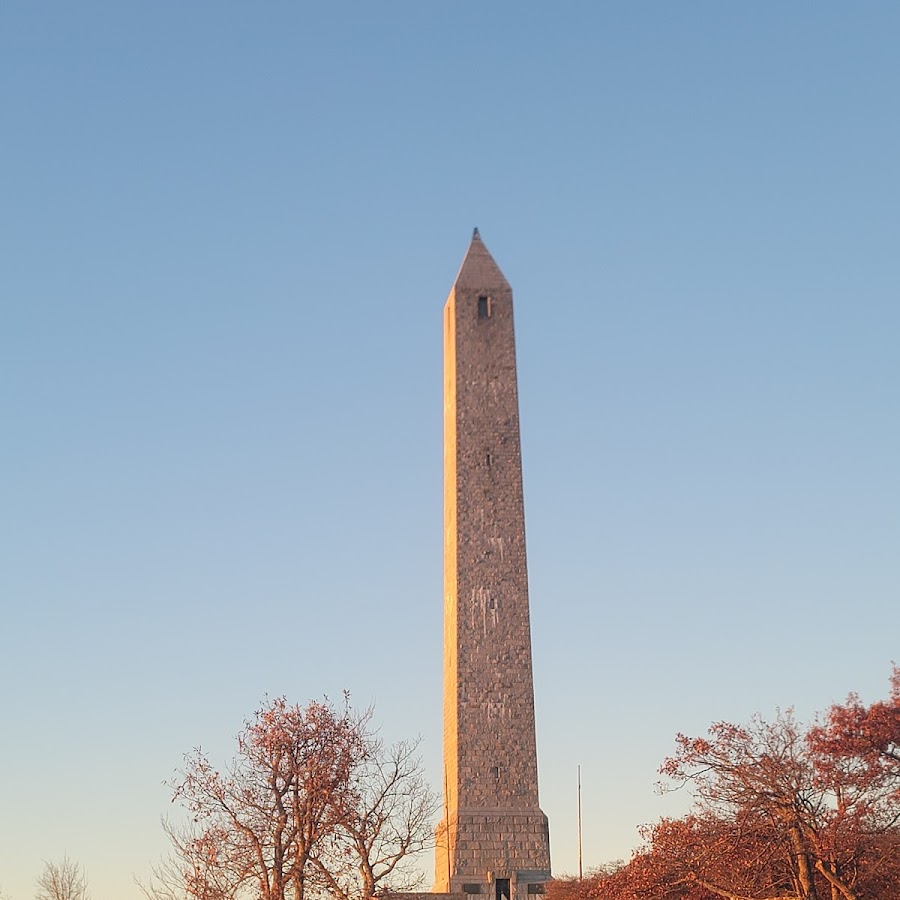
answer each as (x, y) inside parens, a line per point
(493, 838)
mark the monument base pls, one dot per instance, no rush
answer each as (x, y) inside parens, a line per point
(500, 854)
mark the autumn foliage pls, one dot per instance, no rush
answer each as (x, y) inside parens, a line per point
(781, 812)
(312, 805)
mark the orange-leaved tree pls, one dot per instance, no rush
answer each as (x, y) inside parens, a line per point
(781, 812)
(312, 804)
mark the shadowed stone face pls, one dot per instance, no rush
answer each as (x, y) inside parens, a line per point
(493, 839)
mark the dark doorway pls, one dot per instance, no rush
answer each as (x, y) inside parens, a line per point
(501, 889)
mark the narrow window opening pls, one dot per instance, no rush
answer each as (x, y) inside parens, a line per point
(495, 771)
(487, 459)
(484, 307)
(501, 889)
(492, 603)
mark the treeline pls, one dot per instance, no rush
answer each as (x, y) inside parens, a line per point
(781, 811)
(314, 806)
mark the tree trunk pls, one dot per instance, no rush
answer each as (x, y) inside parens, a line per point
(804, 870)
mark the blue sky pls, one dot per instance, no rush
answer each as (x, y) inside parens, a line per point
(226, 234)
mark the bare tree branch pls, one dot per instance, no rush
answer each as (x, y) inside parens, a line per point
(62, 881)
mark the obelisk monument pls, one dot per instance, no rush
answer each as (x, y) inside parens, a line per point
(493, 838)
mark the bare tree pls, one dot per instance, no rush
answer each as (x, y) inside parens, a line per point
(62, 881)
(387, 821)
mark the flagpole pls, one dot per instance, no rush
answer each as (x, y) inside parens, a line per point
(580, 873)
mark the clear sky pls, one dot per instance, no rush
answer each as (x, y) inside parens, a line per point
(226, 234)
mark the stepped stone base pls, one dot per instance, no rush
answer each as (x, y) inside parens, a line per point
(420, 895)
(485, 847)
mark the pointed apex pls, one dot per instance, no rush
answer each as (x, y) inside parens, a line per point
(478, 270)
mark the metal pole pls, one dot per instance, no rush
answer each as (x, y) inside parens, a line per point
(580, 873)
